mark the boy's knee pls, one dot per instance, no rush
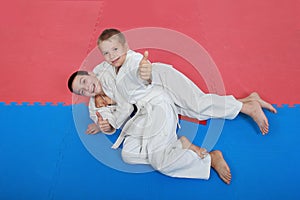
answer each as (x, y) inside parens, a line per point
(133, 158)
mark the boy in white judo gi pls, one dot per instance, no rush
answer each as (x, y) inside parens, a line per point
(150, 137)
(189, 99)
(160, 147)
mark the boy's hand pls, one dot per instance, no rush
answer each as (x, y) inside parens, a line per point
(103, 101)
(145, 68)
(104, 124)
(92, 129)
(99, 101)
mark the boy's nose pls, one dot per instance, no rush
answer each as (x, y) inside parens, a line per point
(86, 87)
(112, 56)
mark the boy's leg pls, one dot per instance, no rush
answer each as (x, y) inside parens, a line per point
(190, 100)
(186, 144)
(131, 151)
(217, 160)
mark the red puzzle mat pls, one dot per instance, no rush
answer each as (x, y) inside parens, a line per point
(254, 44)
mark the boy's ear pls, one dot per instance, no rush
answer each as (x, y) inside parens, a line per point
(126, 46)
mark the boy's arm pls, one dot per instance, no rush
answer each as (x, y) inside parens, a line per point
(106, 113)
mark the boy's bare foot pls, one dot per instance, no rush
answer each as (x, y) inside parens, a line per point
(253, 109)
(255, 97)
(219, 164)
(262, 102)
(186, 144)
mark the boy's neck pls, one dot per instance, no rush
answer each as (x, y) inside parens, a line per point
(117, 69)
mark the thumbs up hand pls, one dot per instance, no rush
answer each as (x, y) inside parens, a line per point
(104, 124)
(145, 68)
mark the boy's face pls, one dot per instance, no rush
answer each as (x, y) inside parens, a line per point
(114, 51)
(86, 85)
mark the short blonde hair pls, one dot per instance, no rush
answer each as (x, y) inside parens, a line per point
(108, 33)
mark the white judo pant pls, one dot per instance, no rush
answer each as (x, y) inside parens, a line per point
(150, 138)
(189, 99)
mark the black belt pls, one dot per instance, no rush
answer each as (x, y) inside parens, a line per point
(134, 110)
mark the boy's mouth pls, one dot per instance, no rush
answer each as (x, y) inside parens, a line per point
(115, 60)
(92, 90)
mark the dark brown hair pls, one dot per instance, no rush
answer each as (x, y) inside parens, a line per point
(73, 76)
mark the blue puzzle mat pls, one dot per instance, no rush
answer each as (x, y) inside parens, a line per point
(46, 155)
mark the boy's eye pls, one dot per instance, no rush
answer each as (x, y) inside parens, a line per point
(104, 53)
(83, 92)
(115, 49)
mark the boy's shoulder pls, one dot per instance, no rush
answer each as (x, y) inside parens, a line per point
(134, 56)
(103, 66)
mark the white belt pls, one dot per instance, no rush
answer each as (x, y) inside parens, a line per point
(142, 108)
